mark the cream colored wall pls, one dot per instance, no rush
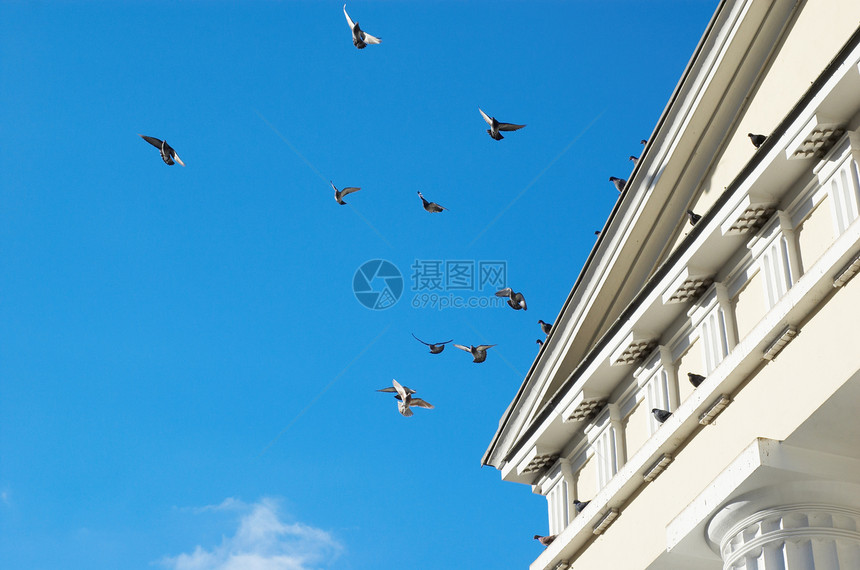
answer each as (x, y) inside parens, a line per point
(636, 429)
(822, 27)
(815, 233)
(586, 479)
(690, 361)
(749, 305)
(767, 406)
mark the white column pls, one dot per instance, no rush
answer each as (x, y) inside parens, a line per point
(728, 314)
(668, 363)
(617, 424)
(808, 536)
(794, 265)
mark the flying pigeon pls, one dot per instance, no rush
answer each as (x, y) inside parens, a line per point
(695, 379)
(405, 400)
(635, 159)
(431, 207)
(545, 327)
(360, 39)
(757, 140)
(479, 353)
(515, 300)
(392, 389)
(545, 540)
(496, 126)
(339, 194)
(619, 182)
(661, 415)
(168, 155)
(579, 505)
(694, 217)
(436, 347)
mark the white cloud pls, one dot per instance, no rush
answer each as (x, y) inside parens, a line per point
(262, 542)
(228, 504)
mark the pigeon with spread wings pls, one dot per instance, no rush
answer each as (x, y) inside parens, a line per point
(496, 126)
(431, 207)
(360, 38)
(168, 155)
(435, 347)
(339, 194)
(516, 300)
(479, 353)
(392, 390)
(405, 400)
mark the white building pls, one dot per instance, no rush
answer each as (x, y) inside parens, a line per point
(759, 466)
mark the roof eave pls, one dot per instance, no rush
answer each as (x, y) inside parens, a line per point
(487, 458)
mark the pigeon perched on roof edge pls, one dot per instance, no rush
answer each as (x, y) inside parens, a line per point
(757, 140)
(661, 415)
(620, 183)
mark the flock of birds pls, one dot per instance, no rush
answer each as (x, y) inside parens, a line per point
(516, 300)
(403, 394)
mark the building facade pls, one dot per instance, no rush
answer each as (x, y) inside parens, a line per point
(758, 467)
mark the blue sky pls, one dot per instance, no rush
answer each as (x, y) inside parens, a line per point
(186, 377)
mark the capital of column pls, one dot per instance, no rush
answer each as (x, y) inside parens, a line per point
(803, 536)
(799, 525)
